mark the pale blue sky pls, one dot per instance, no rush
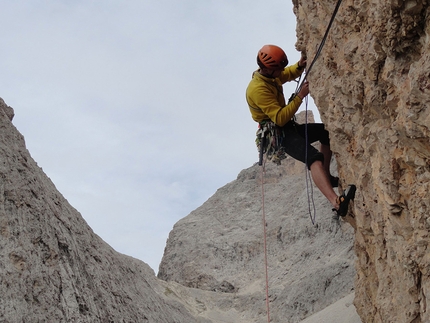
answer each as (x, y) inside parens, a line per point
(136, 109)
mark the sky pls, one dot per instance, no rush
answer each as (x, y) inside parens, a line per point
(136, 109)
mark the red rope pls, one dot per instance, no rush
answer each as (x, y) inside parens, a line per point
(265, 243)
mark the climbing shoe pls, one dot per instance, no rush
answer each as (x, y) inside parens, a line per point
(334, 181)
(344, 199)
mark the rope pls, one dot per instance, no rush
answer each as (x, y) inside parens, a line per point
(320, 47)
(263, 170)
(310, 191)
(262, 164)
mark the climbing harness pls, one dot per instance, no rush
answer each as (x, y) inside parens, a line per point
(264, 144)
(269, 141)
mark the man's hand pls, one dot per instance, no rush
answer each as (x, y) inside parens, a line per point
(302, 61)
(304, 91)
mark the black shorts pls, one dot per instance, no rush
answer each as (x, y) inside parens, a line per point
(298, 139)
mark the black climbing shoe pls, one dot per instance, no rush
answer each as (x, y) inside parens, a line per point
(334, 181)
(344, 199)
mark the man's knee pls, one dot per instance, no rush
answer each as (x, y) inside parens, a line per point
(318, 157)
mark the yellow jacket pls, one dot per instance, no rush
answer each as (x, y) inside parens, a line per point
(266, 99)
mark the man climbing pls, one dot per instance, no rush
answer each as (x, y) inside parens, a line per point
(276, 119)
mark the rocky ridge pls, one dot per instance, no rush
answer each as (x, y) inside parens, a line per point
(219, 247)
(53, 267)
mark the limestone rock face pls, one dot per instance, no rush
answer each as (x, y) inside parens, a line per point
(7, 110)
(219, 247)
(53, 268)
(372, 87)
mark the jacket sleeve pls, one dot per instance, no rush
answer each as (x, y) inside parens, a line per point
(267, 102)
(290, 73)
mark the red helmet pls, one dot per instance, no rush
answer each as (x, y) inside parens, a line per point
(272, 57)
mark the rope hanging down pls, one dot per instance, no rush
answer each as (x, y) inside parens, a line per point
(262, 164)
(309, 187)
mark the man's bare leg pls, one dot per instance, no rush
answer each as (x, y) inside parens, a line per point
(322, 181)
(325, 150)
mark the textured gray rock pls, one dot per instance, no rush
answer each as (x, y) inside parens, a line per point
(219, 247)
(53, 268)
(342, 311)
(7, 110)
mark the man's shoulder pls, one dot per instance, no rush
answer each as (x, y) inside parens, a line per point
(258, 84)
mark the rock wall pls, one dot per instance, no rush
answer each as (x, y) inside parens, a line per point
(372, 87)
(53, 268)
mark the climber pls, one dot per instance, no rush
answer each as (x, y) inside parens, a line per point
(267, 104)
